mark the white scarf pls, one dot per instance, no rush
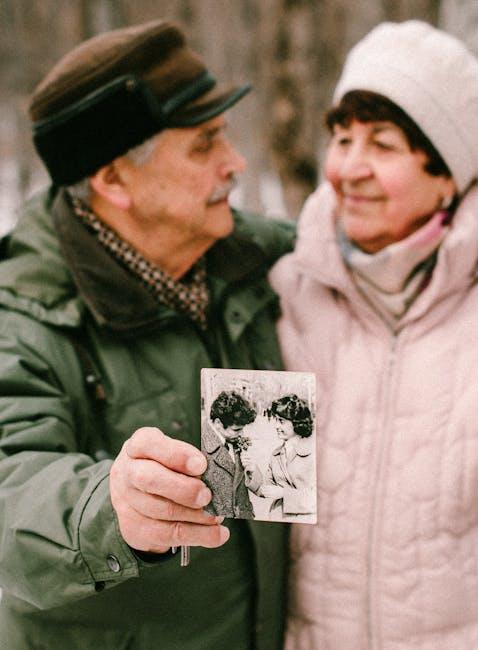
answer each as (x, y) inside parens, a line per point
(393, 277)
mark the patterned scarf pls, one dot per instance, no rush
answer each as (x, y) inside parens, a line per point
(393, 277)
(190, 296)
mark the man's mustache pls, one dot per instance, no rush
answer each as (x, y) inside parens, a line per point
(222, 191)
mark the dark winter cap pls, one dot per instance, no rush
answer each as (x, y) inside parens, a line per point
(116, 90)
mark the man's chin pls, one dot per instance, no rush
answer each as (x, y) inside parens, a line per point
(222, 220)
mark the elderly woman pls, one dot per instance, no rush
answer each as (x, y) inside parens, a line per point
(380, 299)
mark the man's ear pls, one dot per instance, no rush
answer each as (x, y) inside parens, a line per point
(108, 185)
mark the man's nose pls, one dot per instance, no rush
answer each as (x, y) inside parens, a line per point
(233, 162)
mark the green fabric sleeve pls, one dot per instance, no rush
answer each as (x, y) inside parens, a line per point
(58, 529)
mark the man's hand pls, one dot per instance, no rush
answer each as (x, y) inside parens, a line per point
(157, 496)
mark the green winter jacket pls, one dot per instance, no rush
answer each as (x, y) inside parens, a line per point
(69, 580)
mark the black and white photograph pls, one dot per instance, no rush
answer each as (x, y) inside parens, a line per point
(258, 435)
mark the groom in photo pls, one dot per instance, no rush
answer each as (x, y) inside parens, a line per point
(229, 413)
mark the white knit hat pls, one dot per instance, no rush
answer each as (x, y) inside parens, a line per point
(433, 77)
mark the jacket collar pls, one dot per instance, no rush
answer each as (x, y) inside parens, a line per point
(116, 299)
(211, 442)
(216, 449)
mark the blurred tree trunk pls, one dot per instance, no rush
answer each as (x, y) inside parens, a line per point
(97, 16)
(291, 53)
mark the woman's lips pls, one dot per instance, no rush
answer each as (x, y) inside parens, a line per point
(360, 198)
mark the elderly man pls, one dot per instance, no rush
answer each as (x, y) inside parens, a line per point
(114, 292)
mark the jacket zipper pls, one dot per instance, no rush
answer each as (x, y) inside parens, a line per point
(375, 523)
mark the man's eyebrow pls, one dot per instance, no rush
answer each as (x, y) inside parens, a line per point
(211, 132)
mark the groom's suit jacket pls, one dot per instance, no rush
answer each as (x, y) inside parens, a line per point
(230, 495)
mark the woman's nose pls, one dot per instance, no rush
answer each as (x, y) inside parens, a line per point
(355, 165)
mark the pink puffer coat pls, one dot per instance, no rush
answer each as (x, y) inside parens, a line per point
(393, 562)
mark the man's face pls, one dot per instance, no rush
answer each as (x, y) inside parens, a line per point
(185, 183)
(230, 433)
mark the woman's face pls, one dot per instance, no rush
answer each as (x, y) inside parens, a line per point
(284, 428)
(382, 188)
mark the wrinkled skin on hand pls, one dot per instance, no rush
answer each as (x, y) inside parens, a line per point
(158, 496)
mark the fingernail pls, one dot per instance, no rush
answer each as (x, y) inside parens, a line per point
(204, 497)
(196, 464)
(219, 520)
(225, 534)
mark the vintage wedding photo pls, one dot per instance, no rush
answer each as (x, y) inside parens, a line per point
(258, 434)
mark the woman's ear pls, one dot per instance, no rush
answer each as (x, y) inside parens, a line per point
(108, 185)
